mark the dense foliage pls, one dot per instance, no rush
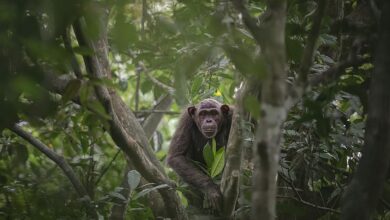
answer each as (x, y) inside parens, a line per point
(186, 50)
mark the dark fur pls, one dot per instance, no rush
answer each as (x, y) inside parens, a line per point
(187, 145)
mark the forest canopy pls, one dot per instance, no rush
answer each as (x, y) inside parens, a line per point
(91, 92)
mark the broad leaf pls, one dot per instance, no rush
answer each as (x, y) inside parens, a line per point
(117, 195)
(214, 147)
(133, 178)
(218, 163)
(72, 89)
(148, 190)
(208, 155)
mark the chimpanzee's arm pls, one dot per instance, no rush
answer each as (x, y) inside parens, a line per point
(180, 145)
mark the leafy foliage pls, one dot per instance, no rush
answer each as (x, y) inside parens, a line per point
(215, 159)
(191, 50)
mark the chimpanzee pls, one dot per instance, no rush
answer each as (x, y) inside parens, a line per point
(198, 125)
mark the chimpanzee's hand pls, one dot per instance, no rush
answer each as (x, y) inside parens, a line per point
(213, 199)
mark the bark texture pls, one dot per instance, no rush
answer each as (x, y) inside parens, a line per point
(273, 112)
(230, 182)
(125, 131)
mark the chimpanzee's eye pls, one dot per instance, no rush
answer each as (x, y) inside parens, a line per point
(213, 113)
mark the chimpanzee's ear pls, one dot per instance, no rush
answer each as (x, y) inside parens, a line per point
(225, 109)
(191, 110)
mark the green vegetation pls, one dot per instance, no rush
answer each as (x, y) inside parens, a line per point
(91, 92)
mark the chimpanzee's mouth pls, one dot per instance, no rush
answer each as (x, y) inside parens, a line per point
(209, 133)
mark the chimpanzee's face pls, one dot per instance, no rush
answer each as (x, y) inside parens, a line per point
(208, 121)
(208, 117)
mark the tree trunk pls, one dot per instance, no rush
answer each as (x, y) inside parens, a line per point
(362, 195)
(125, 131)
(230, 182)
(273, 114)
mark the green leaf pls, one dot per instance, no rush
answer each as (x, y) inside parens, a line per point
(117, 195)
(124, 33)
(148, 190)
(208, 155)
(326, 155)
(294, 49)
(83, 51)
(167, 25)
(97, 108)
(214, 147)
(72, 89)
(146, 86)
(21, 154)
(183, 199)
(85, 92)
(248, 63)
(252, 105)
(185, 68)
(242, 59)
(196, 85)
(133, 178)
(218, 163)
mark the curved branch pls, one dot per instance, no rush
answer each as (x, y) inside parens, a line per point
(60, 161)
(126, 132)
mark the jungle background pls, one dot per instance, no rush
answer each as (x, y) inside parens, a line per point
(91, 92)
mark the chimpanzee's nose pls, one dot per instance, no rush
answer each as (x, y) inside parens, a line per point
(208, 120)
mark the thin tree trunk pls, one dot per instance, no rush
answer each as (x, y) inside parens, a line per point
(230, 182)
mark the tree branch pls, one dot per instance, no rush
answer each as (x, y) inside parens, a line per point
(308, 53)
(68, 47)
(325, 77)
(151, 111)
(61, 162)
(310, 204)
(107, 167)
(137, 88)
(291, 184)
(152, 121)
(336, 70)
(126, 132)
(249, 21)
(165, 87)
